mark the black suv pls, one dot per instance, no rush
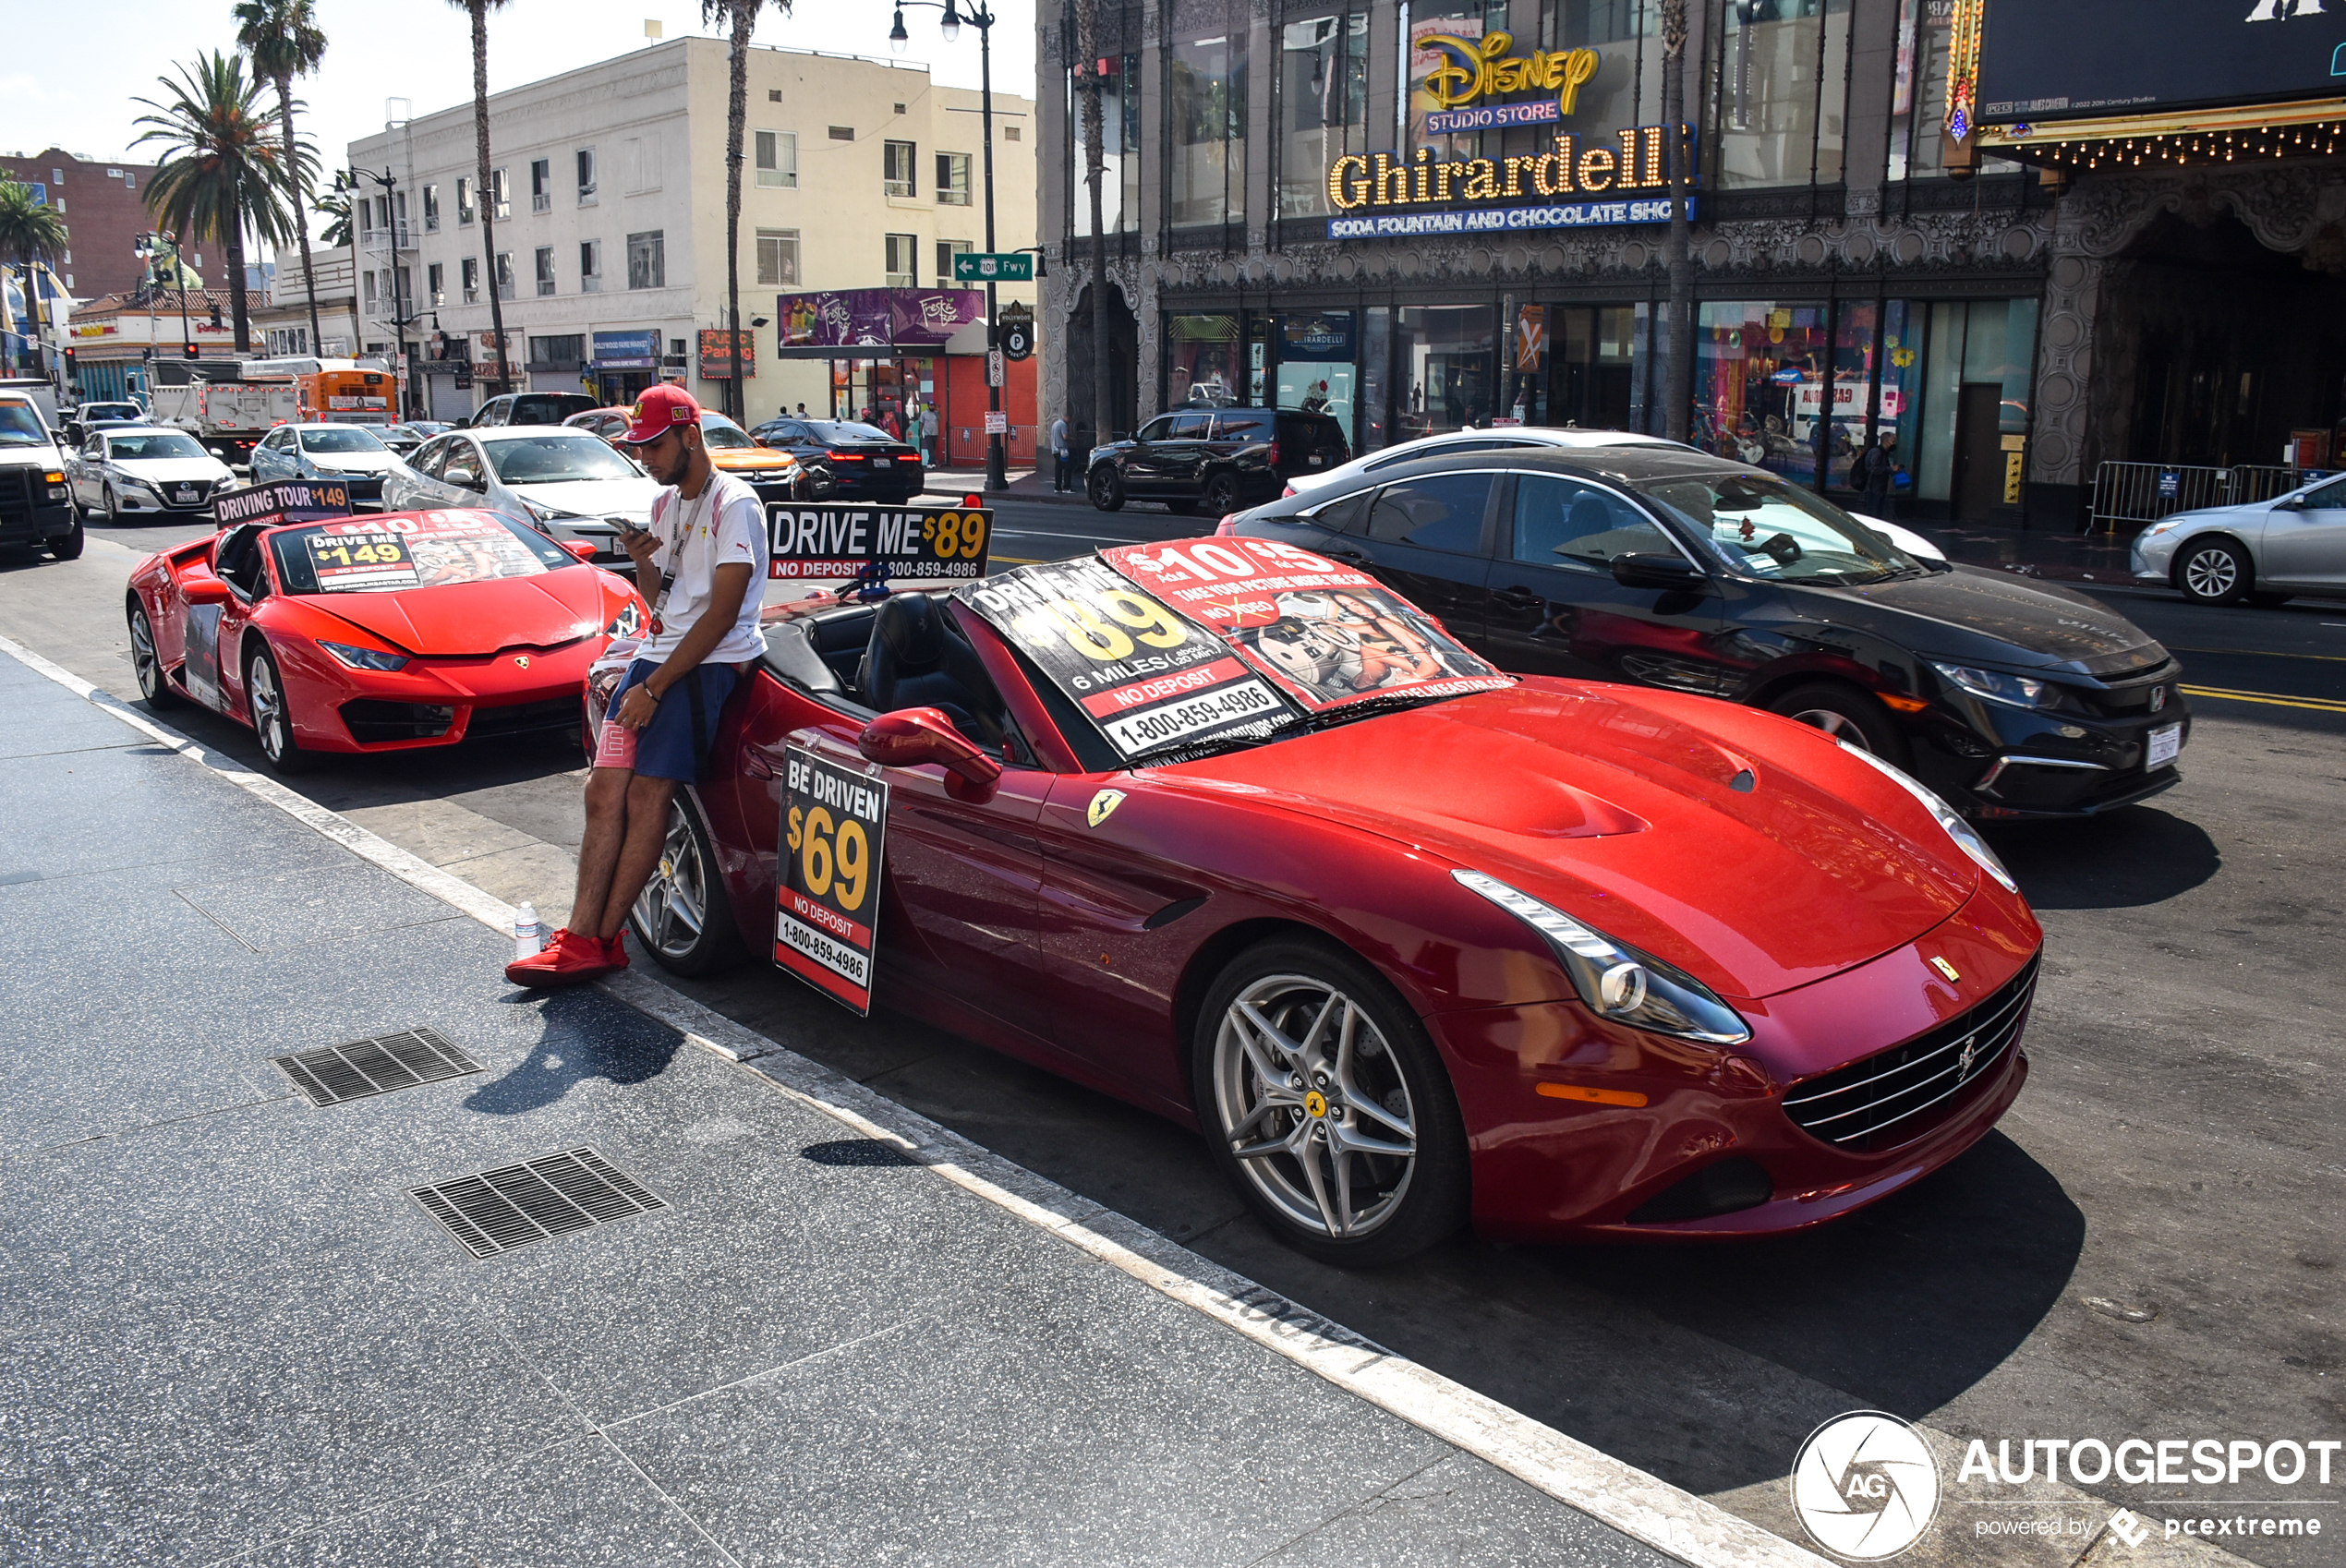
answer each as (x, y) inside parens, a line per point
(1217, 458)
(529, 409)
(1668, 567)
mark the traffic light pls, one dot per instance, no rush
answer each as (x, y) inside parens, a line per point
(215, 315)
(191, 348)
(69, 361)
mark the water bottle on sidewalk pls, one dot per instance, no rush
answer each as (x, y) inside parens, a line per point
(529, 937)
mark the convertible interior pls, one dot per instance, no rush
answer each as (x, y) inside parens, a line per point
(906, 651)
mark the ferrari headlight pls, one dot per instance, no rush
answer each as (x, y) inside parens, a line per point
(628, 623)
(1998, 687)
(365, 658)
(1966, 838)
(1617, 981)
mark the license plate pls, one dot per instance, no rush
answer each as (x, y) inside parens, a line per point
(2166, 745)
(1317, 460)
(187, 492)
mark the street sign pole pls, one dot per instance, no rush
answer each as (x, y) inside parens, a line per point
(997, 457)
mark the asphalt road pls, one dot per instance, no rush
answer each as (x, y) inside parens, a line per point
(2148, 1246)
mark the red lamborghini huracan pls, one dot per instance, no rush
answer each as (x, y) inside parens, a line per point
(384, 632)
(1229, 831)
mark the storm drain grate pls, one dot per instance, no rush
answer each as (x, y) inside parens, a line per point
(334, 1074)
(497, 1210)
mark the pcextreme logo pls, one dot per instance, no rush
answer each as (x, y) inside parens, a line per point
(1864, 1485)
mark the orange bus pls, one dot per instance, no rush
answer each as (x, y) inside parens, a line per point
(338, 391)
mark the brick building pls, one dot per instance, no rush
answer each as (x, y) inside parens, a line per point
(105, 207)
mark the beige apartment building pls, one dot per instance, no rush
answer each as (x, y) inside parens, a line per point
(609, 192)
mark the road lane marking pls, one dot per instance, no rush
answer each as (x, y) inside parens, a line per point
(2258, 653)
(2319, 705)
(1691, 1528)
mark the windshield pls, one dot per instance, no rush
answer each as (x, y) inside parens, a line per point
(1761, 525)
(110, 411)
(554, 460)
(378, 555)
(846, 430)
(340, 440)
(21, 425)
(170, 443)
(718, 436)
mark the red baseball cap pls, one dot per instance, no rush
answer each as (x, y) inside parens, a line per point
(659, 409)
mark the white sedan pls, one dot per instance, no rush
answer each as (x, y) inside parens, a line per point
(570, 483)
(1500, 437)
(2262, 551)
(134, 470)
(353, 453)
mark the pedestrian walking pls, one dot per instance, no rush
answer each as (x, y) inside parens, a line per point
(1063, 479)
(697, 566)
(1875, 474)
(928, 434)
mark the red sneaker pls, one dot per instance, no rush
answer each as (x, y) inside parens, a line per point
(616, 949)
(568, 959)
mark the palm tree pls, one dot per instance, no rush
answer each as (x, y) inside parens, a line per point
(739, 17)
(478, 10)
(31, 235)
(1679, 252)
(284, 41)
(221, 172)
(335, 210)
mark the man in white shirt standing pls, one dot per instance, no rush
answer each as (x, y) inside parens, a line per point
(1062, 480)
(698, 566)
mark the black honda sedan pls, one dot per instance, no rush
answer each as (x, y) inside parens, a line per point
(1670, 567)
(847, 460)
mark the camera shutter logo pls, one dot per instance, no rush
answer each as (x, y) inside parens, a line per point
(1864, 1485)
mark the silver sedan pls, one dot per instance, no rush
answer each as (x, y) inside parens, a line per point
(569, 484)
(2262, 551)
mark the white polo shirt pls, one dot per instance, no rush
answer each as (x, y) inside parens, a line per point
(726, 522)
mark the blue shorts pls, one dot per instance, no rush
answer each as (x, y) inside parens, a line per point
(675, 744)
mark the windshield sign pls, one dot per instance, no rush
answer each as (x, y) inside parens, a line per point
(1771, 529)
(1324, 634)
(1150, 680)
(425, 550)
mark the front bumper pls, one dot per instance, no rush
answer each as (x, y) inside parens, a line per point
(36, 524)
(1996, 761)
(1714, 1151)
(434, 702)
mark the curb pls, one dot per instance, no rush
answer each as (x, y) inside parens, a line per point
(1667, 1518)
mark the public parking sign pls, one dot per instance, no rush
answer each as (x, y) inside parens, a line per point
(993, 267)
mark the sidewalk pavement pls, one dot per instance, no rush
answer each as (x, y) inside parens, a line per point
(822, 1330)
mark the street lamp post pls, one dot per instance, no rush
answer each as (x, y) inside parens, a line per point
(980, 17)
(347, 183)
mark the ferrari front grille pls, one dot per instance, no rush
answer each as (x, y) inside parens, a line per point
(1893, 1097)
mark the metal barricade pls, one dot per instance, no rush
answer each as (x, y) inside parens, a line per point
(2132, 495)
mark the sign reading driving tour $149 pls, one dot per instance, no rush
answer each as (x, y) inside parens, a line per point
(827, 898)
(830, 542)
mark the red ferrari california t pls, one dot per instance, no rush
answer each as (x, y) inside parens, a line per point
(384, 632)
(1238, 834)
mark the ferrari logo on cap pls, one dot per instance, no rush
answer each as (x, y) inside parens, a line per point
(1943, 967)
(1102, 803)
(522, 660)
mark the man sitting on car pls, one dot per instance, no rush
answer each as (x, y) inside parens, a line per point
(698, 567)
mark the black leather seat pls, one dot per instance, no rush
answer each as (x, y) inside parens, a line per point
(917, 659)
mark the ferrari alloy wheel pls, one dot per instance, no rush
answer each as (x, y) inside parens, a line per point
(147, 663)
(681, 917)
(272, 720)
(1845, 713)
(1324, 1099)
(1105, 486)
(2213, 571)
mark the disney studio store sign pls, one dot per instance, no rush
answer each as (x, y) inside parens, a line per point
(1569, 184)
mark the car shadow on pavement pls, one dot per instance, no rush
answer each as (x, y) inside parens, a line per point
(2135, 856)
(587, 1035)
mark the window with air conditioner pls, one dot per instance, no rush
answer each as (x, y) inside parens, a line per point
(545, 270)
(541, 184)
(647, 260)
(778, 257)
(903, 261)
(777, 159)
(895, 164)
(501, 195)
(586, 156)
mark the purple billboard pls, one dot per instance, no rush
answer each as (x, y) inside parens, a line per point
(874, 318)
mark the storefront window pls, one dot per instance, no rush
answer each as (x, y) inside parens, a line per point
(1323, 105)
(1782, 91)
(1853, 357)
(1206, 114)
(1445, 357)
(1973, 393)
(1202, 367)
(1627, 90)
(1316, 350)
(1760, 370)
(1119, 142)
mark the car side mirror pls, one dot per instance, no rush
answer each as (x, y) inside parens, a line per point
(583, 549)
(913, 736)
(203, 587)
(1664, 571)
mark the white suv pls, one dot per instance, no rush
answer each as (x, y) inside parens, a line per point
(35, 508)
